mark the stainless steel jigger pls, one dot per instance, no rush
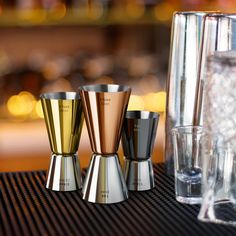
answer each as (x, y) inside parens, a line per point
(138, 136)
(64, 117)
(104, 108)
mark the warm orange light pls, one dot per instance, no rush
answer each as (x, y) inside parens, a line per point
(136, 103)
(105, 80)
(38, 109)
(155, 101)
(134, 9)
(32, 15)
(164, 11)
(51, 70)
(1, 10)
(59, 11)
(95, 11)
(21, 104)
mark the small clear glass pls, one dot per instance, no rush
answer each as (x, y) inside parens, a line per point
(188, 163)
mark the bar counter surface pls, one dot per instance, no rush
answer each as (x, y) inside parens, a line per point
(28, 208)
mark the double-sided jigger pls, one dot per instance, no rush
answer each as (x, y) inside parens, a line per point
(104, 109)
(64, 120)
(138, 136)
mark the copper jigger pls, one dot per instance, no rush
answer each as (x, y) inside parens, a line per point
(64, 117)
(104, 108)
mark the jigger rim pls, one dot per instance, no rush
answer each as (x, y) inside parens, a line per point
(60, 95)
(143, 115)
(197, 13)
(103, 88)
(216, 14)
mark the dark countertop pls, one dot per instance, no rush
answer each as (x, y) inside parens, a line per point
(28, 208)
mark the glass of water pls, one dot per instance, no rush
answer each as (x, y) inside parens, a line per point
(188, 163)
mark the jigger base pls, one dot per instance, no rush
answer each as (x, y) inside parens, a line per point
(139, 175)
(104, 181)
(64, 173)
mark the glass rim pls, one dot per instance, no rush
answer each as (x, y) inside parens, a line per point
(215, 15)
(141, 115)
(105, 88)
(60, 96)
(197, 13)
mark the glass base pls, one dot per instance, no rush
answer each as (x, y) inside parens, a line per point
(189, 200)
(219, 212)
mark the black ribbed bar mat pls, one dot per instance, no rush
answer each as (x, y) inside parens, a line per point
(28, 208)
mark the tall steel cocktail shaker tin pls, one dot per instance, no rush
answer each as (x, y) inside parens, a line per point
(182, 75)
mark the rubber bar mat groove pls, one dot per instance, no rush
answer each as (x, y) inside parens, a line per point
(28, 208)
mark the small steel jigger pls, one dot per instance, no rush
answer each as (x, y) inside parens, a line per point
(138, 136)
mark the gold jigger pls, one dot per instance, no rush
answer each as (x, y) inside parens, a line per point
(64, 120)
(104, 108)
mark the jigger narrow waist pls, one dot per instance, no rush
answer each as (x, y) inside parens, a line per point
(137, 158)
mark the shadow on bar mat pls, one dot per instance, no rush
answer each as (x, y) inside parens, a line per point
(28, 208)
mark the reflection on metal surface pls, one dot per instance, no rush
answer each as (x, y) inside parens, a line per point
(182, 76)
(138, 136)
(104, 108)
(104, 182)
(139, 175)
(64, 173)
(64, 120)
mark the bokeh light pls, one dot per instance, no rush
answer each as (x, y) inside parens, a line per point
(24, 105)
(59, 11)
(155, 101)
(164, 11)
(136, 103)
(21, 104)
(135, 10)
(38, 109)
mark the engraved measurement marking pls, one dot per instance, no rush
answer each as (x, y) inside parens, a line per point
(64, 108)
(65, 182)
(137, 182)
(105, 194)
(137, 127)
(105, 101)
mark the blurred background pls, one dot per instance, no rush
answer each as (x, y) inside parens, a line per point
(58, 45)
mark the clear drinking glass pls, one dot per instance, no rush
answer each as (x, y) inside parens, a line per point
(219, 145)
(188, 163)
